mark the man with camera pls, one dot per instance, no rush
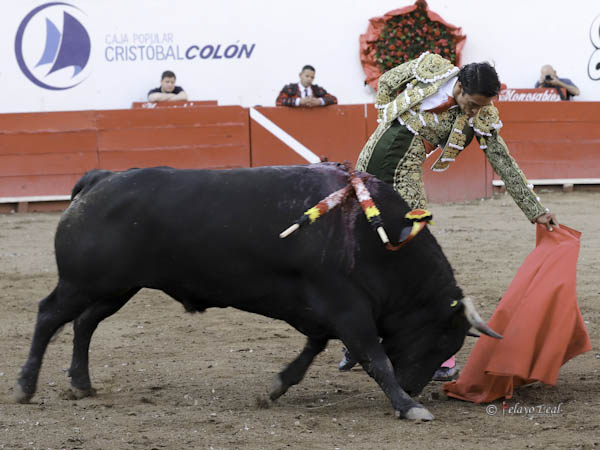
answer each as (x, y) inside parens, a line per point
(565, 87)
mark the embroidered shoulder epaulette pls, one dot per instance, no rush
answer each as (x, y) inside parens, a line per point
(483, 125)
(430, 68)
(486, 121)
(419, 79)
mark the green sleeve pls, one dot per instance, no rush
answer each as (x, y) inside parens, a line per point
(515, 182)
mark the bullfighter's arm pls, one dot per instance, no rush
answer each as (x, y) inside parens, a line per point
(391, 81)
(514, 180)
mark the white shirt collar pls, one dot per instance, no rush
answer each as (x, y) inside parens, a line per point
(441, 96)
(448, 86)
(302, 92)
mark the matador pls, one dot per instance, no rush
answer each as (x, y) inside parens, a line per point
(427, 103)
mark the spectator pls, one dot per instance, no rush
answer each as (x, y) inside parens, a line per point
(305, 93)
(167, 92)
(565, 87)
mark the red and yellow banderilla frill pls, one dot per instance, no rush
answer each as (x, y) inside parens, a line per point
(419, 217)
(368, 206)
(321, 208)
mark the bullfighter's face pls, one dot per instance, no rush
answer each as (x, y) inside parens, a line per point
(470, 104)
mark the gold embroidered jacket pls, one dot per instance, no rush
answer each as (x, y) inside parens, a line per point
(400, 93)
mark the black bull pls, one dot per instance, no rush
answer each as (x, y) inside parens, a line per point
(211, 239)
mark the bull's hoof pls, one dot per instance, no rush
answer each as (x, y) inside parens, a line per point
(21, 396)
(77, 394)
(277, 388)
(263, 402)
(417, 414)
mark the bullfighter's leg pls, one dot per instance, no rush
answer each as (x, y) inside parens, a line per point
(363, 343)
(84, 327)
(296, 370)
(60, 307)
(348, 361)
(447, 372)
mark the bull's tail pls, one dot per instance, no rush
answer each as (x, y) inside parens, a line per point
(89, 180)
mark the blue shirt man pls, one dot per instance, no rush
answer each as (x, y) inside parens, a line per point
(565, 87)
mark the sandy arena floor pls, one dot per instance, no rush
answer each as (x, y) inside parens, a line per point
(170, 380)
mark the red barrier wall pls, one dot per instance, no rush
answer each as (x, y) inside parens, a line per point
(174, 104)
(553, 139)
(335, 132)
(45, 153)
(210, 137)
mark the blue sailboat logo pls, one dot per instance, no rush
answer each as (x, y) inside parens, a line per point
(69, 48)
(74, 47)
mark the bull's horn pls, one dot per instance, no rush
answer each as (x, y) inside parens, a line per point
(476, 321)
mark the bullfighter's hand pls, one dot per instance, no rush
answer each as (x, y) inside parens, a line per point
(548, 219)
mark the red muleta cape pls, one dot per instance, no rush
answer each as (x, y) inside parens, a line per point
(539, 319)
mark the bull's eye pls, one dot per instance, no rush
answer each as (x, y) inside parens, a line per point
(454, 303)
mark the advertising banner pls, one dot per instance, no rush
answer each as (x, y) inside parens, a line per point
(91, 54)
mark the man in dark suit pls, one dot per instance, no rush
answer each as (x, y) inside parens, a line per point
(305, 93)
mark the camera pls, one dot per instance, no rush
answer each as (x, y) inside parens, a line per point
(548, 78)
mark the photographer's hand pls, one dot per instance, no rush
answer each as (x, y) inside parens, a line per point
(553, 82)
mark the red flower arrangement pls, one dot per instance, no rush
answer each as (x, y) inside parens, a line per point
(403, 34)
